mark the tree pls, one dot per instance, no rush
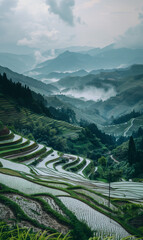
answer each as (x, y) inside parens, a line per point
(131, 151)
(1, 125)
(102, 161)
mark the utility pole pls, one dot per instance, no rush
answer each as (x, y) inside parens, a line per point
(109, 194)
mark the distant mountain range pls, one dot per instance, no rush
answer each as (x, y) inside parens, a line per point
(120, 92)
(84, 81)
(34, 84)
(92, 59)
(18, 63)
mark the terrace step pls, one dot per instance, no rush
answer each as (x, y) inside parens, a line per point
(30, 154)
(79, 166)
(17, 145)
(16, 149)
(22, 151)
(6, 137)
(16, 139)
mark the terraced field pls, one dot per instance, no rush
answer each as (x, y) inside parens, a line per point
(125, 129)
(44, 189)
(10, 112)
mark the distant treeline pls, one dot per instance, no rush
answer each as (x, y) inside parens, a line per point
(35, 102)
(127, 117)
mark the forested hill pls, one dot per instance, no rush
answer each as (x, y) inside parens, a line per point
(33, 101)
(33, 84)
(28, 115)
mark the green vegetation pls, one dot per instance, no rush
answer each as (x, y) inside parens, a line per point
(1, 126)
(78, 231)
(130, 155)
(127, 117)
(17, 145)
(131, 151)
(102, 161)
(36, 121)
(42, 156)
(55, 134)
(67, 166)
(78, 166)
(29, 156)
(16, 150)
(89, 170)
(6, 137)
(33, 101)
(23, 95)
(17, 233)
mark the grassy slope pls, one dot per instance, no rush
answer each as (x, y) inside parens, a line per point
(119, 129)
(10, 112)
(59, 135)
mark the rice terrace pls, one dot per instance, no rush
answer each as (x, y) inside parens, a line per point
(49, 190)
(71, 120)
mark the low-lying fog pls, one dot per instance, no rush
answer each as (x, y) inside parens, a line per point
(91, 93)
(49, 80)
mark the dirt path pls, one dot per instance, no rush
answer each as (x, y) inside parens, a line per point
(125, 133)
(111, 156)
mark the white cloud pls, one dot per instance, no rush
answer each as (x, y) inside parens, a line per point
(41, 24)
(38, 36)
(91, 93)
(7, 5)
(133, 37)
(90, 3)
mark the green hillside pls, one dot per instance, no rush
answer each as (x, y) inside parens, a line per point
(57, 134)
(124, 129)
(33, 84)
(61, 190)
(37, 191)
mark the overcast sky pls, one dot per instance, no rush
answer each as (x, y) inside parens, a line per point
(46, 24)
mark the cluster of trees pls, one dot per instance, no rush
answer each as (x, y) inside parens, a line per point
(92, 131)
(127, 117)
(130, 156)
(89, 142)
(107, 170)
(35, 102)
(1, 126)
(64, 114)
(135, 156)
(139, 133)
(23, 95)
(84, 143)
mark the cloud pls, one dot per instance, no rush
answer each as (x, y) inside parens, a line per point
(90, 3)
(41, 35)
(63, 23)
(132, 38)
(91, 93)
(64, 10)
(6, 9)
(7, 5)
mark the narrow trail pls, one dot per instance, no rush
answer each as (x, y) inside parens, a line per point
(111, 156)
(125, 133)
